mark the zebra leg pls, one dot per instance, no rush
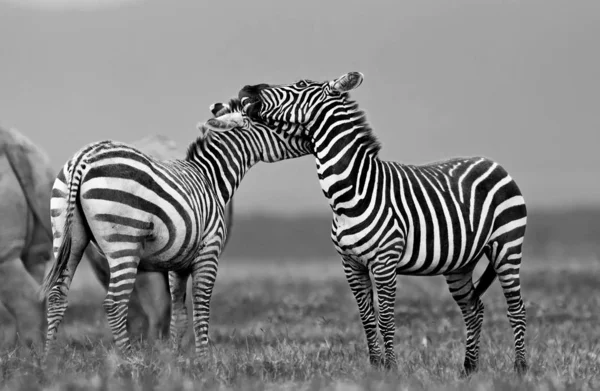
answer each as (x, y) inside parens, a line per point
(462, 290)
(123, 271)
(57, 297)
(508, 265)
(179, 314)
(384, 276)
(361, 287)
(204, 273)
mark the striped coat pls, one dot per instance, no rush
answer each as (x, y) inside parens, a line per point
(390, 218)
(156, 215)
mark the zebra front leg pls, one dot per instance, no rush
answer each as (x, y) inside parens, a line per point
(204, 274)
(179, 315)
(461, 288)
(123, 271)
(361, 287)
(384, 275)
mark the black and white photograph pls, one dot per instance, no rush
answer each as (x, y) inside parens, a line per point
(309, 195)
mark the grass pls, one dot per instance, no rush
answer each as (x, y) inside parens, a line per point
(295, 326)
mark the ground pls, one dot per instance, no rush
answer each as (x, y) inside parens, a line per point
(294, 325)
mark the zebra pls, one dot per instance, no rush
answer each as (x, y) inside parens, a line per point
(156, 215)
(394, 219)
(150, 300)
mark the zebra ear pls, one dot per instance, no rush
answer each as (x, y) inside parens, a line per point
(218, 124)
(347, 82)
(218, 109)
(225, 122)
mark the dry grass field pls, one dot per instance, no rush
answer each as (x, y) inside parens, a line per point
(294, 325)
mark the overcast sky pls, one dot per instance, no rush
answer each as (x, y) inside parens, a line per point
(517, 81)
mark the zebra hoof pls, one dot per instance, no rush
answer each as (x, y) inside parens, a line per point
(391, 366)
(377, 362)
(469, 368)
(521, 367)
(200, 364)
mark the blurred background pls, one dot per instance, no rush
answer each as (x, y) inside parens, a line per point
(516, 81)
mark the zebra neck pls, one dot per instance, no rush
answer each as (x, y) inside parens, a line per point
(225, 158)
(347, 165)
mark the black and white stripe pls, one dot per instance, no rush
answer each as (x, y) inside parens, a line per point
(391, 218)
(156, 215)
(150, 300)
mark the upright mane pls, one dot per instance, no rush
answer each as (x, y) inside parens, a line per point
(234, 105)
(369, 139)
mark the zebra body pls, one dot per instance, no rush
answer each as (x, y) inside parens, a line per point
(434, 218)
(130, 199)
(155, 215)
(391, 218)
(150, 301)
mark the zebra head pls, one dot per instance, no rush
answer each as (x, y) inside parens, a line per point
(231, 120)
(302, 102)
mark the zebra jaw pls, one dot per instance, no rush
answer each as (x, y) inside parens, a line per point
(251, 108)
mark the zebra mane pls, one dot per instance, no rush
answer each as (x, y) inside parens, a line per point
(369, 139)
(234, 105)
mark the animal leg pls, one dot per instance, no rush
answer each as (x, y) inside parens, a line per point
(461, 288)
(123, 269)
(384, 276)
(19, 294)
(57, 297)
(507, 263)
(361, 287)
(204, 273)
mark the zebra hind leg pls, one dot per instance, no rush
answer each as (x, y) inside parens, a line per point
(123, 269)
(179, 314)
(462, 290)
(507, 263)
(57, 301)
(361, 287)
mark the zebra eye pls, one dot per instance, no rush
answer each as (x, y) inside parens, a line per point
(302, 84)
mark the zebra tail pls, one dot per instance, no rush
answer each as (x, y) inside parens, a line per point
(64, 251)
(484, 282)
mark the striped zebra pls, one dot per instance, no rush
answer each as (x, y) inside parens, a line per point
(156, 215)
(391, 218)
(149, 310)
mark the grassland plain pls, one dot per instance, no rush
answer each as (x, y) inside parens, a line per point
(294, 325)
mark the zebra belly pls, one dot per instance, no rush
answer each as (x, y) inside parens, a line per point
(434, 256)
(380, 240)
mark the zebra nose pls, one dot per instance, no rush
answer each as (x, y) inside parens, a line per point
(249, 91)
(246, 92)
